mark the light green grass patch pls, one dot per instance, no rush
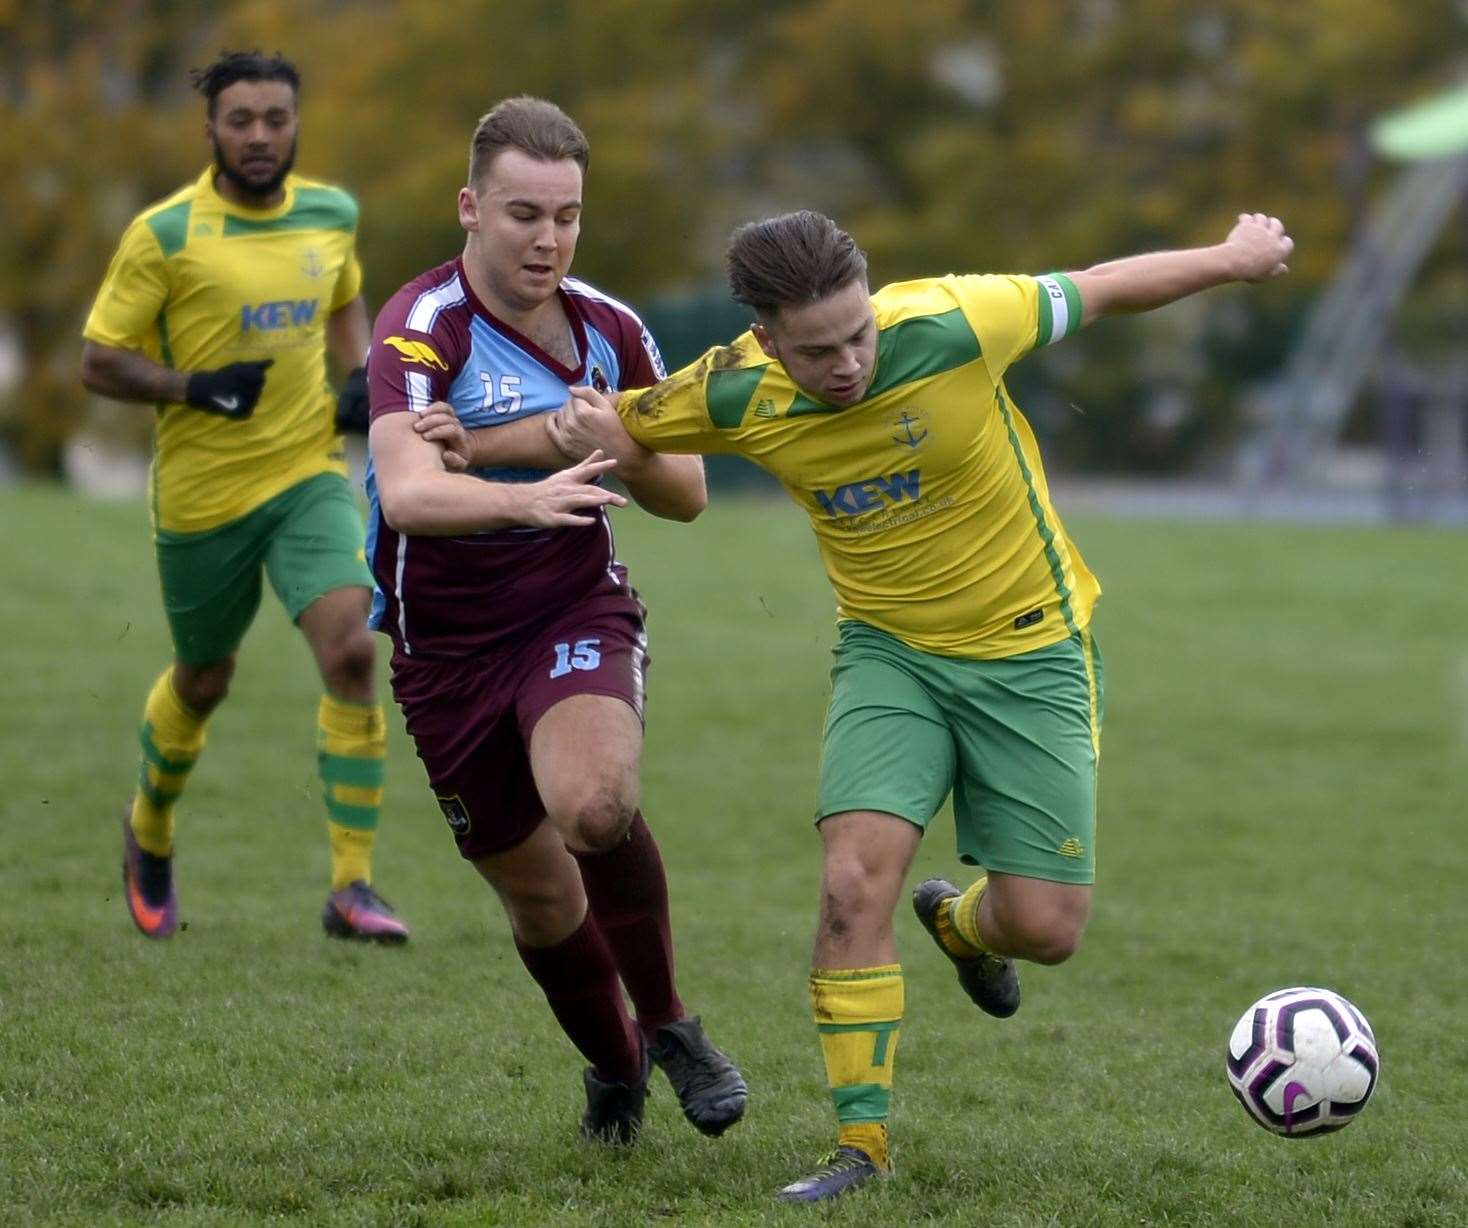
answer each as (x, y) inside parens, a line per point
(1282, 802)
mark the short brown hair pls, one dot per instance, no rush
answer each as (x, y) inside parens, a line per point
(531, 125)
(792, 259)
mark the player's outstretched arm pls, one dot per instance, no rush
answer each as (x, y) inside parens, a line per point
(419, 496)
(671, 486)
(1256, 249)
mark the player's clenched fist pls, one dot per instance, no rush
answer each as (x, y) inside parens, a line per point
(1260, 246)
(558, 499)
(231, 392)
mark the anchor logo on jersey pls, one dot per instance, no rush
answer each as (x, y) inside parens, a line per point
(909, 426)
(311, 264)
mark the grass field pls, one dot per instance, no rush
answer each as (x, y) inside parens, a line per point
(1283, 802)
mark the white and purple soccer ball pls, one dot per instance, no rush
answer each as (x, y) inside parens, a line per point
(1302, 1061)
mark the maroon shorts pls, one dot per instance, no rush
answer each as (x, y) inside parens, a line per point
(471, 718)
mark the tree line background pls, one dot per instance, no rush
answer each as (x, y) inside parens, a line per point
(948, 135)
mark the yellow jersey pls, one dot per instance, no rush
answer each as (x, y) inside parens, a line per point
(198, 282)
(927, 497)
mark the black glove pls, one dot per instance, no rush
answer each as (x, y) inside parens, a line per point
(352, 406)
(230, 392)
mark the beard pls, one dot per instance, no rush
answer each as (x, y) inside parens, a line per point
(251, 187)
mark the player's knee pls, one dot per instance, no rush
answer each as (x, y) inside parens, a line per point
(201, 689)
(851, 886)
(1051, 939)
(602, 820)
(349, 666)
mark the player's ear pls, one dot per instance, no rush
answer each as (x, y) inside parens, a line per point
(763, 339)
(468, 210)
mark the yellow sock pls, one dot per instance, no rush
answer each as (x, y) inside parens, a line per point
(351, 742)
(962, 918)
(858, 1013)
(171, 738)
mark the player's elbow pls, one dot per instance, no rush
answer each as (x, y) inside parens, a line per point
(95, 370)
(691, 506)
(401, 506)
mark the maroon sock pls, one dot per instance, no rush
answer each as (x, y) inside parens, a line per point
(628, 894)
(580, 983)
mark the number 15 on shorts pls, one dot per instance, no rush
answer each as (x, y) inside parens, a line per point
(582, 654)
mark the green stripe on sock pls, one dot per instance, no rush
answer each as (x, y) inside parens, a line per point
(365, 773)
(156, 757)
(362, 818)
(861, 1102)
(160, 799)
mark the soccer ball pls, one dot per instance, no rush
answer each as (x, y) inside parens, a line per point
(1302, 1061)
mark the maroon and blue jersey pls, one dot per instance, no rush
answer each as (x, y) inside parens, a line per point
(444, 597)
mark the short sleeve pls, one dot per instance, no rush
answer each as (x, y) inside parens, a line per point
(349, 281)
(672, 415)
(132, 294)
(406, 369)
(1014, 314)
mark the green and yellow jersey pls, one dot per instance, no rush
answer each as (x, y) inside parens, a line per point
(927, 497)
(198, 282)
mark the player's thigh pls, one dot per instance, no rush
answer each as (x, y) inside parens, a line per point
(1028, 730)
(886, 745)
(461, 717)
(211, 586)
(580, 705)
(317, 543)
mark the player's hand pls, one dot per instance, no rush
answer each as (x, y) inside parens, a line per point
(1260, 247)
(439, 424)
(231, 392)
(589, 422)
(562, 498)
(353, 408)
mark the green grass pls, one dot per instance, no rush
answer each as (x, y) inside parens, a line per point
(1282, 803)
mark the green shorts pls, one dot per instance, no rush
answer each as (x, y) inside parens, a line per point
(1016, 740)
(308, 539)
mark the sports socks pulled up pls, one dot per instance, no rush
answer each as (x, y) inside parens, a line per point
(351, 745)
(858, 1013)
(958, 922)
(171, 736)
(627, 893)
(579, 981)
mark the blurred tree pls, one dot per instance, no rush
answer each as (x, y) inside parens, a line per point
(952, 134)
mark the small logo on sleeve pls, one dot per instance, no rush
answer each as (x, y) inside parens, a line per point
(455, 814)
(1028, 620)
(413, 351)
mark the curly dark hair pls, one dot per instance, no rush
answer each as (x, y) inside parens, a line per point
(232, 66)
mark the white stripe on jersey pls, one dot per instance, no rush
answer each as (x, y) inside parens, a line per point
(420, 392)
(397, 583)
(574, 285)
(428, 305)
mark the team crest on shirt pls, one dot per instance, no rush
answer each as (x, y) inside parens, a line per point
(909, 429)
(455, 814)
(599, 379)
(311, 264)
